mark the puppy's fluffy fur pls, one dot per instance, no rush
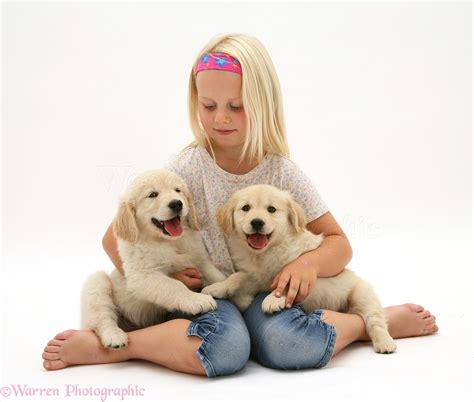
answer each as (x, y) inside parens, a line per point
(267, 230)
(157, 230)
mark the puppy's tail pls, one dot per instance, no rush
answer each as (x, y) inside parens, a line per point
(97, 304)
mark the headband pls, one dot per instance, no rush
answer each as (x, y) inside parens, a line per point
(218, 61)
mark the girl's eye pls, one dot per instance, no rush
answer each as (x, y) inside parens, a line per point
(271, 209)
(213, 107)
(177, 190)
(153, 194)
(246, 208)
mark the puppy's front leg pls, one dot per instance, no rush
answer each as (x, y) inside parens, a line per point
(210, 273)
(226, 288)
(272, 303)
(242, 300)
(166, 292)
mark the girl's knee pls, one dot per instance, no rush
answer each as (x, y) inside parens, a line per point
(291, 340)
(225, 347)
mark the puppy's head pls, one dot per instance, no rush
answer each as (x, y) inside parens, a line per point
(261, 215)
(156, 205)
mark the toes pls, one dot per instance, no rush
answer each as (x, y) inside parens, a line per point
(425, 314)
(55, 342)
(65, 334)
(429, 320)
(432, 329)
(54, 364)
(53, 349)
(50, 356)
(415, 307)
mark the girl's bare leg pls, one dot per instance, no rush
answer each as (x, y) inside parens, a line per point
(166, 344)
(404, 321)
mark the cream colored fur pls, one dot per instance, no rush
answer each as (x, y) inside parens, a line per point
(146, 293)
(289, 238)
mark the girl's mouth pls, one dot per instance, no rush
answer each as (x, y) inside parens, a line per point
(224, 132)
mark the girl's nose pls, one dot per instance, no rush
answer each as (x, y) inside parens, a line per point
(223, 118)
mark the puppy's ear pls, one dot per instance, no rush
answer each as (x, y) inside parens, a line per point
(193, 220)
(125, 225)
(296, 216)
(225, 216)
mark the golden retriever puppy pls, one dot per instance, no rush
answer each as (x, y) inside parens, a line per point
(266, 230)
(157, 230)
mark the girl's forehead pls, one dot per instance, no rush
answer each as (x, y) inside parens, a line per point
(215, 83)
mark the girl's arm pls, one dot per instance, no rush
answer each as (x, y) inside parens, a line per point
(191, 277)
(334, 253)
(109, 243)
(329, 259)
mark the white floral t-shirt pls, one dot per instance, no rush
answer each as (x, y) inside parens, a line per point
(211, 187)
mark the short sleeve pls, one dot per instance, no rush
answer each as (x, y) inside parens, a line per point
(303, 190)
(173, 164)
(182, 164)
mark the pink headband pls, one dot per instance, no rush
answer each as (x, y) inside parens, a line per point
(218, 61)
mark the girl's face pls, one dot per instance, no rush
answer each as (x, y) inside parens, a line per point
(221, 108)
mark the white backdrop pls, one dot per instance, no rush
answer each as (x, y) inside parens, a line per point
(378, 109)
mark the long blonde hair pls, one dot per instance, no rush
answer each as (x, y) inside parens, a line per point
(261, 96)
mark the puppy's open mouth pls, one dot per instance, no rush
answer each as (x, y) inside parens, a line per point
(258, 240)
(171, 227)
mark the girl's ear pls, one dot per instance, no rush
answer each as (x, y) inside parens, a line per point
(296, 216)
(225, 216)
(193, 220)
(125, 226)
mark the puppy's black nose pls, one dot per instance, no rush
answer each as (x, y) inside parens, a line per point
(257, 224)
(176, 205)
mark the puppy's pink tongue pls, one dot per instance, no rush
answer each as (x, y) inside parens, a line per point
(173, 227)
(257, 240)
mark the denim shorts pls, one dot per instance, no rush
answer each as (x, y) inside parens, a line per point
(287, 340)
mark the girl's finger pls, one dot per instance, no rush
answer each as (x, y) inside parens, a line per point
(193, 272)
(275, 281)
(292, 292)
(282, 282)
(311, 286)
(303, 293)
(193, 283)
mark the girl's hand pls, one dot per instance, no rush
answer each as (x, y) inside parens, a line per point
(191, 277)
(301, 278)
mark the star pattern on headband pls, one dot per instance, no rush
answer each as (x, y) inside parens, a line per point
(219, 61)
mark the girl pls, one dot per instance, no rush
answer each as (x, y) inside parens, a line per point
(236, 114)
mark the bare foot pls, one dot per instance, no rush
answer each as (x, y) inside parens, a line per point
(74, 347)
(409, 319)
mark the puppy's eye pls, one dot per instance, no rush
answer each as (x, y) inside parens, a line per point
(153, 194)
(246, 207)
(271, 209)
(177, 190)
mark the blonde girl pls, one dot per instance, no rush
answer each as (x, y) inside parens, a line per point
(236, 115)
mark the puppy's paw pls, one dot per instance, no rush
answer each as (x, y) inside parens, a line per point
(113, 338)
(272, 304)
(218, 290)
(197, 304)
(384, 344)
(242, 301)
